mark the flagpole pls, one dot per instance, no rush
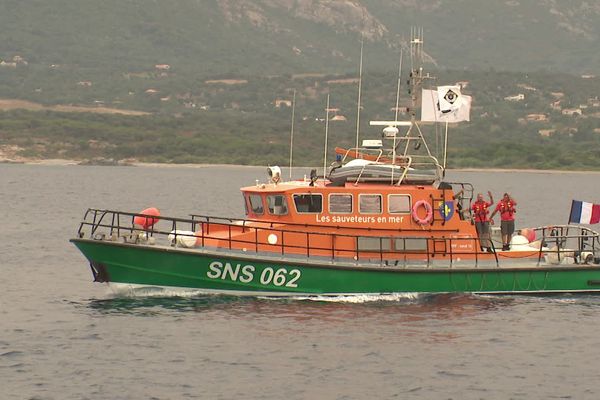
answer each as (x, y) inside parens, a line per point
(445, 146)
(570, 212)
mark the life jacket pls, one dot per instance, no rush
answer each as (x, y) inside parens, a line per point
(507, 206)
(480, 208)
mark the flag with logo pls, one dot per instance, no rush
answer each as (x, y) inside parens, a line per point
(446, 104)
(583, 212)
(449, 98)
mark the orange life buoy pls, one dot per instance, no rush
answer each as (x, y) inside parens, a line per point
(147, 222)
(428, 212)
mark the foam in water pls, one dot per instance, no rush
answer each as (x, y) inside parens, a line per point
(126, 290)
(363, 298)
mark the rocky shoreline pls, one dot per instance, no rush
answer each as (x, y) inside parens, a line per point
(100, 161)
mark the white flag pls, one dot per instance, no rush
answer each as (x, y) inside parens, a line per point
(431, 109)
(449, 98)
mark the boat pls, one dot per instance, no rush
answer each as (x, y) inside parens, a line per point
(381, 220)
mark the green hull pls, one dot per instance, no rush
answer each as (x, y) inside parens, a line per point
(213, 271)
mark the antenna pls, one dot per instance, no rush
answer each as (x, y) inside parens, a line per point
(362, 41)
(326, 134)
(292, 132)
(416, 65)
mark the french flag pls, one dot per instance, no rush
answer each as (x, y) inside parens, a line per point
(584, 213)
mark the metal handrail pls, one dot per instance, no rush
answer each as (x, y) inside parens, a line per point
(383, 253)
(362, 170)
(244, 221)
(560, 234)
(413, 160)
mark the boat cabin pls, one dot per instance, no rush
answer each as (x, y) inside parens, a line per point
(369, 206)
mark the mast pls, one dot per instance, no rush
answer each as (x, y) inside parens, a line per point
(410, 158)
(292, 132)
(416, 83)
(415, 80)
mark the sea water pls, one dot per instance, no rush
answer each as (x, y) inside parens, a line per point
(64, 337)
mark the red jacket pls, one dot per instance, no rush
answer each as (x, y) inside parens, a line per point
(480, 210)
(507, 209)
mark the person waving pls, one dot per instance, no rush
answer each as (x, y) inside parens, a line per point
(480, 210)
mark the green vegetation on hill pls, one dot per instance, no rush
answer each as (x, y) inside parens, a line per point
(239, 123)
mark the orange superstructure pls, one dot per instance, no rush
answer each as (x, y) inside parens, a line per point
(364, 206)
(409, 221)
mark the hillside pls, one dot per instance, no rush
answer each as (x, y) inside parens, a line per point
(517, 121)
(207, 38)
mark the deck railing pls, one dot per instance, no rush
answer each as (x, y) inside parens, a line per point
(407, 162)
(394, 248)
(560, 242)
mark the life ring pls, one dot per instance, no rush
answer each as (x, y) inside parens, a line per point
(428, 212)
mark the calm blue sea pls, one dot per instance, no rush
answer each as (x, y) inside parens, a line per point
(64, 337)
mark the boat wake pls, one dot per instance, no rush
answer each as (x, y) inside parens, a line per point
(117, 290)
(133, 291)
(365, 298)
(124, 291)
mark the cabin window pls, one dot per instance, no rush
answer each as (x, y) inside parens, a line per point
(370, 203)
(277, 204)
(245, 206)
(256, 204)
(308, 203)
(399, 204)
(340, 203)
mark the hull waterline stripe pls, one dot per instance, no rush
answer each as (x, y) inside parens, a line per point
(340, 265)
(125, 288)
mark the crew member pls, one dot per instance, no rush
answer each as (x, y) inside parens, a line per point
(480, 210)
(459, 197)
(507, 210)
